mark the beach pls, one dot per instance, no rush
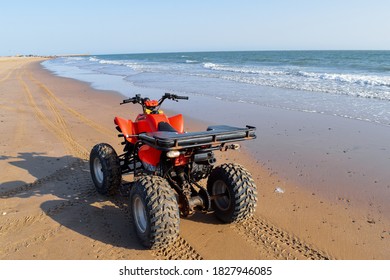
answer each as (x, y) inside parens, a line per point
(323, 181)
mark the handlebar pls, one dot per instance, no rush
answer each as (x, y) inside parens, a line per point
(138, 99)
(174, 96)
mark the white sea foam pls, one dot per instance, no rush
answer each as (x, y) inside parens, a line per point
(370, 80)
(363, 80)
(241, 69)
(359, 85)
(75, 58)
(112, 62)
(127, 63)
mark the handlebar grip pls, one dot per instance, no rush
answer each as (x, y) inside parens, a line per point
(136, 99)
(125, 101)
(174, 96)
(181, 97)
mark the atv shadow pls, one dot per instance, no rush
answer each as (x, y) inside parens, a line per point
(104, 223)
(37, 164)
(77, 205)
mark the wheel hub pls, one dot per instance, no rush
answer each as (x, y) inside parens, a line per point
(140, 215)
(98, 170)
(220, 192)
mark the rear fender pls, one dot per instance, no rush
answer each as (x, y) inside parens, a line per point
(127, 128)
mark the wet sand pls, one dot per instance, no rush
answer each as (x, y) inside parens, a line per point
(311, 206)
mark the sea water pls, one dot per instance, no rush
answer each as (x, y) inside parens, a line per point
(347, 84)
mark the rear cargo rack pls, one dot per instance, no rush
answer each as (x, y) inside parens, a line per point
(214, 136)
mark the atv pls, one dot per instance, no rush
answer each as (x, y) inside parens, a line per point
(167, 165)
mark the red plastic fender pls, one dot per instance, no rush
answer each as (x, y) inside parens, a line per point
(177, 123)
(127, 128)
(149, 155)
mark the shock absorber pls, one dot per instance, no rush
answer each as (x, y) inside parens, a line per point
(183, 182)
(188, 201)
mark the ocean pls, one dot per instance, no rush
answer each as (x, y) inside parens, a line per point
(347, 84)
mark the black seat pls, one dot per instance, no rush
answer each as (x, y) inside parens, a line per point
(164, 126)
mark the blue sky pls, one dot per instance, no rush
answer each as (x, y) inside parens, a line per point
(117, 26)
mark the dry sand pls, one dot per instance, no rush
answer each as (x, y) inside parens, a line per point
(50, 210)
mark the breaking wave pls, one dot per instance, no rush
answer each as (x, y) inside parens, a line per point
(359, 85)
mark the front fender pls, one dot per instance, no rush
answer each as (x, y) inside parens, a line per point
(149, 155)
(177, 123)
(127, 128)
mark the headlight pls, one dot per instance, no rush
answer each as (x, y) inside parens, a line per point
(173, 154)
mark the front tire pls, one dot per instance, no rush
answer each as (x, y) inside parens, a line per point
(155, 212)
(234, 192)
(105, 169)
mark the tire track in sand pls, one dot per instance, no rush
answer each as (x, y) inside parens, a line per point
(5, 251)
(6, 76)
(60, 128)
(77, 179)
(70, 110)
(69, 175)
(278, 243)
(11, 71)
(179, 250)
(59, 176)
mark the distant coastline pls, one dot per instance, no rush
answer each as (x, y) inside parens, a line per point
(45, 56)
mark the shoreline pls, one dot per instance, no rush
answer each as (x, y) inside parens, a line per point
(337, 227)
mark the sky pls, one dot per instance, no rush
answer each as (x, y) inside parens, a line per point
(55, 27)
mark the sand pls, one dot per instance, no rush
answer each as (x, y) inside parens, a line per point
(50, 210)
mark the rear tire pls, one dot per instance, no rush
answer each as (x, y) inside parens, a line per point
(105, 169)
(155, 212)
(235, 192)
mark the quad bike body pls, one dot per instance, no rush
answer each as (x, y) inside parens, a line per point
(168, 165)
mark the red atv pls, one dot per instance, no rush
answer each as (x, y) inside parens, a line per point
(168, 165)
